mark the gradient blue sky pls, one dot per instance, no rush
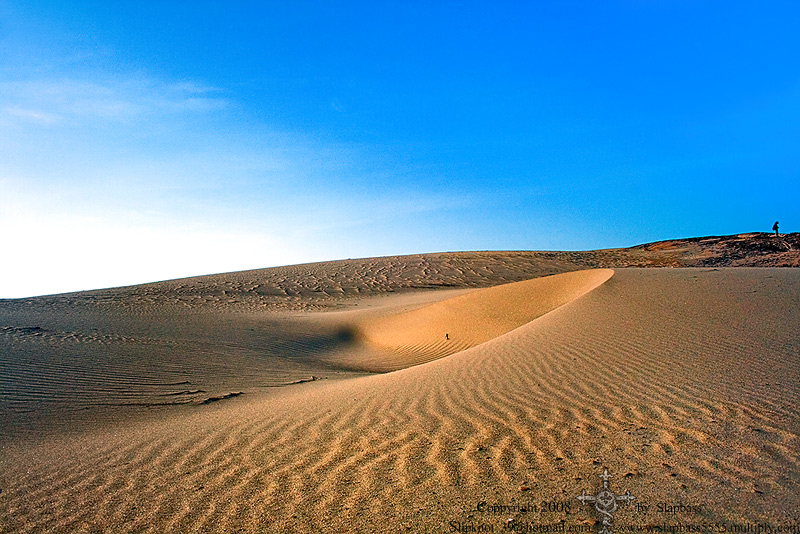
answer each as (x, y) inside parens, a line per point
(141, 141)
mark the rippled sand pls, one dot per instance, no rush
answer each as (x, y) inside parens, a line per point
(122, 414)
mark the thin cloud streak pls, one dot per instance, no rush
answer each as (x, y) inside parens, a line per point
(52, 101)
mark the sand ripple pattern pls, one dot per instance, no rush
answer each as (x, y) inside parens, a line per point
(683, 382)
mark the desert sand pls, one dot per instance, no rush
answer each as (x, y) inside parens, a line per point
(430, 393)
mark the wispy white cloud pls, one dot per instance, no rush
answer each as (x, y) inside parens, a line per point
(53, 101)
(32, 115)
(137, 179)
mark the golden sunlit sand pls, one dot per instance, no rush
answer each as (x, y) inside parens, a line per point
(259, 402)
(465, 321)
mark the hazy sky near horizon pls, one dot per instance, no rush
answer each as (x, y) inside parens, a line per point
(141, 141)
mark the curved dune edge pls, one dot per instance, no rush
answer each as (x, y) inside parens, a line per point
(465, 321)
(682, 382)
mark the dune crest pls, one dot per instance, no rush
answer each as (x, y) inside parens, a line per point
(446, 327)
(682, 382)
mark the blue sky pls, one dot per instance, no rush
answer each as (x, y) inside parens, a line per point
(141, 141)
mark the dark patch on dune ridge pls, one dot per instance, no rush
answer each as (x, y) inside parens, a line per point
(223, 397)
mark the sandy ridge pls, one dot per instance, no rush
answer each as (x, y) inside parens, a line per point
(683, 382)
(465, 321)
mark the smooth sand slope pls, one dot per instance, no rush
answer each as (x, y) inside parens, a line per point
(465, 321)
(682, 382)
(106, 352)
(83, 356)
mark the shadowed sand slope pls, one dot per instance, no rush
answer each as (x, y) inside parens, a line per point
(63, 364)
(684, 383)
(465, 321)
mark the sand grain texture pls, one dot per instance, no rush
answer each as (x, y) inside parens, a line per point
(683, 382)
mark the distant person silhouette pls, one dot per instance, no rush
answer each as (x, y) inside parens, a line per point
(775, 227)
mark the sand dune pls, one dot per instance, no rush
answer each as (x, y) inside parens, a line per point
(456, 324)
(84, 361)
(682, 382)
